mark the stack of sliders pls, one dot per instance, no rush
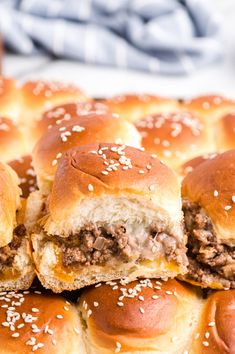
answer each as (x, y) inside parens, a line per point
(125, 206)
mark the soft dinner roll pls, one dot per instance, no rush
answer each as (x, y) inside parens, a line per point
(175, 137)
(12, 143)
(65, 112)
(209, 208)
(113, 211)
(209, 107)
(16, 270)
(27, 177)
(215, 333)
(133, 107)
(145, 316)
(84, 129)
(37, 96)
(191, 164)
(225, 132)
(9, 98)
(35, 323)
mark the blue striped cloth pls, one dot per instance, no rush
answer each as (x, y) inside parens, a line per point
(163, 36)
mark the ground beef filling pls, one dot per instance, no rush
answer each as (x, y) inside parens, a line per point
(207, 257)
(8, 253)
(97, 245)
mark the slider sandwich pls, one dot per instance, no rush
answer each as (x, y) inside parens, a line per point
(114, 211)
(209, 212)
(16, 269)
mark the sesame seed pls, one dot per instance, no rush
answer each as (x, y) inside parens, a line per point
(15, 335)
(233, 198)
(118, 347)
(207, 335)
(53, 341)
(197, 335)
(120, 304)
(89, 313)
(50, 331)
(90, 187)
(205, 343)
(216, 193)
(169, 292)
(66, 308)
(227, 207)
(104, 173)
(59, 317)
(54, 162)
(96, 304)
(141, 298)
(141, 171)
(211, 324)
(59, 155)
(154, 297)
(142, 310)
(34, 309)
(76, 330)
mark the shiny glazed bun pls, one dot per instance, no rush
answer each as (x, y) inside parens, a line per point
(12, 143)
(215, 333)
(209, 208)
(9, 98)
(209, 107)
(191, 164)
(134, 107)
(113, 211)
(35, 323)
(37, 96)
(145, 316)
(85, 129)
(65, 112)
(225, 132)
(174, 137)
(25, 171)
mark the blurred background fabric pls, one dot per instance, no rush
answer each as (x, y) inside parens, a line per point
(158, 36)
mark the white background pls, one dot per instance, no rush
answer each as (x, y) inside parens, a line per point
(99, 81)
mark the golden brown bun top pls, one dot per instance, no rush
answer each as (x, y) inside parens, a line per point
(11, 140)
(9, 98)
(9, 203)
(191, 164)
(138, 315)
(66, 112)
(37, 323)
(42, 95)
(25, 171)
(97, 169)
(174, 137)
(212, 186)
(84, 129)
(212, 107)
(216, 330)
(225, 132)
(133, 107)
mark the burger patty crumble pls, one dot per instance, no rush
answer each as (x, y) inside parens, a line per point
(96, 245)
(207, 257)
(8, 252)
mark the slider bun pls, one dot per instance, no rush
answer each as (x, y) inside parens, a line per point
(139, 322)
(65, 112)
(225, 132)
(209, 107)
(85, 129)
(218, 320)
(9, 203)
(11, 140)
(27, 177)
(133, 107)
(9, 94)
(37, 96)
(191, 164)
(174, 137)
(217, 174)
(82, 195)
(38, 313)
